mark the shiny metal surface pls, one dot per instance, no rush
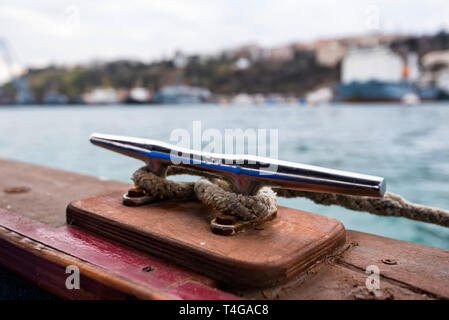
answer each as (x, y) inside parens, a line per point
(247, 173)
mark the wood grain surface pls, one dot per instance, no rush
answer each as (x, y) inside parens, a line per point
(42, 193)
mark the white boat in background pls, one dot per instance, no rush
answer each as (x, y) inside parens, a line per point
(101, 96)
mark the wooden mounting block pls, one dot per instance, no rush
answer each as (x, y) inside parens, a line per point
(179, 231)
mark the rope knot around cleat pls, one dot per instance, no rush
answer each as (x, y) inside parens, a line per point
(218, 194)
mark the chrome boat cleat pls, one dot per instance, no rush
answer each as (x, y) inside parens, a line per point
(246, 173)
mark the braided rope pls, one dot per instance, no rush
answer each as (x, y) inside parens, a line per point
(214, 193)
(217, 194)
(390, 205)
(246, 207)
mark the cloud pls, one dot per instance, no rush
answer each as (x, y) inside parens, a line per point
(67, 32)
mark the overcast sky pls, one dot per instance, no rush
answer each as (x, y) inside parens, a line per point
(44, 31)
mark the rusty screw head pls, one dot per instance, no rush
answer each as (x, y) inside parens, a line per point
(147, 269)
(226, 219)
(389, 261)
(136, 192)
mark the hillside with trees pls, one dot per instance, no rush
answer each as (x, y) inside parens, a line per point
(297, 75)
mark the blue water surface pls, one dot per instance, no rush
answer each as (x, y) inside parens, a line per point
(409, 146)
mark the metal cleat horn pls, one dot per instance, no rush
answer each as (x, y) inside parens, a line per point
(246, 173)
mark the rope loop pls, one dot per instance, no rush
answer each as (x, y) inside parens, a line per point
(214, 193)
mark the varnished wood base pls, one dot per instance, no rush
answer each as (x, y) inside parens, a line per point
(179, 231)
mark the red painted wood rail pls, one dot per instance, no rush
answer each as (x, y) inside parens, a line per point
(107, 269)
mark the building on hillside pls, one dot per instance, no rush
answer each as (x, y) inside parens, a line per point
(330, 54)
(280, 54)
(242, 63)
